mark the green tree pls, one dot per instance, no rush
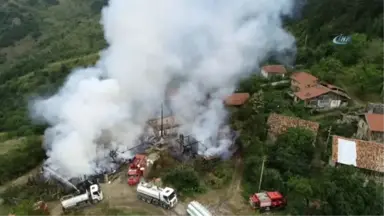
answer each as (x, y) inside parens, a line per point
(184, 179)
(345, 191)
(293, 152)
(301, 187)
(328, 69)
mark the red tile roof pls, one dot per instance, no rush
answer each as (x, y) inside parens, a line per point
(369, 155)
(304, 78)
(236, 99)
(279, 124)
(312, 92)
(279, 69)
(375, 121)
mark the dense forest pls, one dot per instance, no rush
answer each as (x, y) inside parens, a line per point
(42, 40)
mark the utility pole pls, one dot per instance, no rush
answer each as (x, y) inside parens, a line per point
(382, 90)
(261, 174)
(329, 134)
(305, 41)
(161, 126)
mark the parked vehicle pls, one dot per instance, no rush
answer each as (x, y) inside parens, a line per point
(267, 200)
(92, 195)
(194, 208)
(164, 197)
(136, 169)
(87, 192)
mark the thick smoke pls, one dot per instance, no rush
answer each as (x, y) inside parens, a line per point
(204, 46)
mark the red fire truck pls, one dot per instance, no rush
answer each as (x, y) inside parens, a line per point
(267, 200)
(136, 169)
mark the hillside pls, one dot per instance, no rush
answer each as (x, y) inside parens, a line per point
(357, 67)
(48, 30)
(42, 40)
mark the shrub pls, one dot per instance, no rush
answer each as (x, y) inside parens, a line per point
(185, 180)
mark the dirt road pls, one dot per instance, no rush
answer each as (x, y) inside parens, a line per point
(119, 195)
(228, 201)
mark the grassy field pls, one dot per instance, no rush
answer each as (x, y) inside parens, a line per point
(11, 144)
(61, 28)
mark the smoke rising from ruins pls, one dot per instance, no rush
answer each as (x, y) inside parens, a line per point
(204, 46)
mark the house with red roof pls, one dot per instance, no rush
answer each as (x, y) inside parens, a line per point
(302, 80)
(316, 94)
(362, 154)
(371, 127)
(270, 71)
(236, 99)
(279, 124)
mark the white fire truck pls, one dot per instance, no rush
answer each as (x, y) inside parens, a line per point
(164, 197)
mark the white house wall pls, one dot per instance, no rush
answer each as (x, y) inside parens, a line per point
(335, 103)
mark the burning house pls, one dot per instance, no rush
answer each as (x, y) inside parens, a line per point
(164, 126)
(187, 147)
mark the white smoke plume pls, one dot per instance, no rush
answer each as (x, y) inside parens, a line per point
(204, 46)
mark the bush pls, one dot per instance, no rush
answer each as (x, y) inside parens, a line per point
(162, 165)
(184, 179)
(35, 190)
(215, 172)
(25, 207)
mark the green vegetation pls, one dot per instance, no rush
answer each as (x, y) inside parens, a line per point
(49, 30)
(293, 165)
(24, 207)
(35, 37)
(194, 177)
(42, 40)
(184, 179)
(55, 36)
(358, 66)
(22, 159)
(33, 191)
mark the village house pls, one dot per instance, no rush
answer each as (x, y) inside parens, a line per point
(321, 98)
(236, 99)
(279, 124)
(362, 154)
(169, 125)
(270, 71)
(371, 127)
(316, 94)
(375, 108)
(302, 80)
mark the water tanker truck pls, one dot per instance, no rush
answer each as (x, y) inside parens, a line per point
(92, 195)
(164, 197)
(194, 208)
